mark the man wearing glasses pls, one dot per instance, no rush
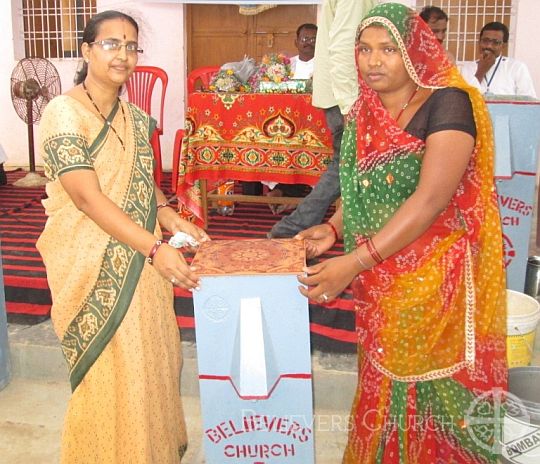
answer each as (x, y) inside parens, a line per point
(302, 64)
(301, 68)
(494, 73)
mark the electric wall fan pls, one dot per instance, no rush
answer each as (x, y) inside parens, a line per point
(34, 83)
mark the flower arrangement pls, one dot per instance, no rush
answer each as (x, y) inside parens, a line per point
(273, 75)
(226, 81)
(274, 67)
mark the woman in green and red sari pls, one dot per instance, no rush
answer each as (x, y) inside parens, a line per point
(422, 231)
(110, 277)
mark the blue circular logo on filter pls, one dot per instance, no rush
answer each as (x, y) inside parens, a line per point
(216, 308)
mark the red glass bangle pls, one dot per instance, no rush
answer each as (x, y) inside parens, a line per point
(333, 227)
(373, 251)
(153, 251)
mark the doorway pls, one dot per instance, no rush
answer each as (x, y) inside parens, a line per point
(218, 34)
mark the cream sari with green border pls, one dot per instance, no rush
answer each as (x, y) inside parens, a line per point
(112, 312)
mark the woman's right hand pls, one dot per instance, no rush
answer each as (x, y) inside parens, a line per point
(318, 239)
(170, 263)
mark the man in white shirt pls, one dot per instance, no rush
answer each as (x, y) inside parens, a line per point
(302, 64)
(301, 68)
(494, 73)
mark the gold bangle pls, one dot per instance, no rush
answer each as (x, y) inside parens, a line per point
(357, 256)
(164, 205)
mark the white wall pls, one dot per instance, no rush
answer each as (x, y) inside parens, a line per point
(162, 38)
(526, 42)
(12, 129)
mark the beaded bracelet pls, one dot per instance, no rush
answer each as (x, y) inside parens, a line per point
(333, 227)
(164, 205)
(153, 251)
(373, 251)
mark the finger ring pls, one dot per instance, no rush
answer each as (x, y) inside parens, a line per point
(325, 297)
(173, 281)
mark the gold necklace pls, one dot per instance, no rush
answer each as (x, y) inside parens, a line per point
(407, 104)
(109, 123)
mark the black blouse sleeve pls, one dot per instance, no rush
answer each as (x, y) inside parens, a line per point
(446, 109)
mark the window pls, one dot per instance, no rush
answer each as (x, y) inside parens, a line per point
(466, 19)
(53, 28)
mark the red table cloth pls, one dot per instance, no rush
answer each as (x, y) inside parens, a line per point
(251, 137)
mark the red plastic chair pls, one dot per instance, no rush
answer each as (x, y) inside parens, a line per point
(203, 74)
(176, 157)
(139, 89)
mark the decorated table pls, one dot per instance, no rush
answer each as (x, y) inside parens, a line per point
(249, 137)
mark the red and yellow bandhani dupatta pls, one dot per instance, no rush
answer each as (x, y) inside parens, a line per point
(431, 318)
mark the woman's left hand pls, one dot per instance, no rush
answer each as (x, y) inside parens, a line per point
(326, 280)
(170, 220)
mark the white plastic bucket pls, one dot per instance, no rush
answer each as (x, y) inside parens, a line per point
(523, 314)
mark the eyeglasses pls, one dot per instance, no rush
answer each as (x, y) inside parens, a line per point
(113, 45)
(310, 40)
(488, 41)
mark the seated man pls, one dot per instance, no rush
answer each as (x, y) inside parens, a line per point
(494, 73)
(302, 68)
(302, 64)
(335, 89)
(437, 20)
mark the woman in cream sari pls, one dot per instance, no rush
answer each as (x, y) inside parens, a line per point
(110, 275)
